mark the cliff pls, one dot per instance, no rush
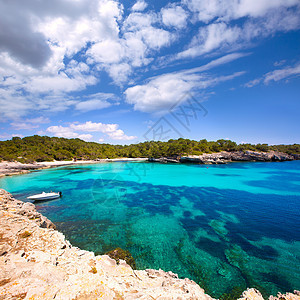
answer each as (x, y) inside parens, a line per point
(37, 262)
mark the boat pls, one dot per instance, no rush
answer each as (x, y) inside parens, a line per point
(45, 196)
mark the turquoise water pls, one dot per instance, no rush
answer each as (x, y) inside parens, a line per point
(227, 227)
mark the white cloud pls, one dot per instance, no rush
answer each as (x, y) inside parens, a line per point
(220, 61)
(253, 82)
(160, 93)
(111, 130)
(91, 105)
(36, 71)
(9, 136)
(282, 74)
(95, 102)
(139, 6)
(222, 35)
(93, 127)
(276, 75)
(211, 37)
(227, 10)
(29, 124)
(107, 51)
(85, 137)
(174, 16)
(61, 131)
(38, 120)
(23, 126)
(120, 135)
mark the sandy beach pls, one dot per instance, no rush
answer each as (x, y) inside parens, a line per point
(15, 168)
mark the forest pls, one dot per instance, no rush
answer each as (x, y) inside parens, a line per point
(43, 148)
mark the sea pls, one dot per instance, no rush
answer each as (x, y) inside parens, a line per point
(227, 227)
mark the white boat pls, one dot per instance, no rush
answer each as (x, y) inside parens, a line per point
(45, 196)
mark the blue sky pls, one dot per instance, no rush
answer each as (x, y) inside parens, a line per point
(126, 72)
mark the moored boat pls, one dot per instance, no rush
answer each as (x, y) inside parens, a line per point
(45, 196)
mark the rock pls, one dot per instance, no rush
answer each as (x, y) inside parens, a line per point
(251, 294)
(226, 157)
(287, 296)
(119, 253)
(4, 249)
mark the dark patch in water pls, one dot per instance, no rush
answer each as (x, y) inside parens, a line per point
(266, 252)
(227, 175)
(215, 249)
(280, 281)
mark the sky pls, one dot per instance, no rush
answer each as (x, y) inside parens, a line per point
(127, 72)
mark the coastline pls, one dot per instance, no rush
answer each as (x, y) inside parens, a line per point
(37, 262)
(17, 168)
(224, 157)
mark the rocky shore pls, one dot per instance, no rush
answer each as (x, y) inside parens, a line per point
(227, 157)
(37, 262)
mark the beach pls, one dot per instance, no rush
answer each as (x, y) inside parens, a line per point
(16, 168)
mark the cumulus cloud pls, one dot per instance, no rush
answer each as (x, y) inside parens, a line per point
(174, 16)
(140, 35)
(71, 131)
(160, 93)
(19, 38)
(139, 6)
(163, 91)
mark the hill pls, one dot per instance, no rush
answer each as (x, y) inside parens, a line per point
(44, 148)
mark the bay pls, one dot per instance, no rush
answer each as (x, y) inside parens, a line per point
(227, 227)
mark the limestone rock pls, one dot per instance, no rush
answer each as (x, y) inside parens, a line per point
(287, 296)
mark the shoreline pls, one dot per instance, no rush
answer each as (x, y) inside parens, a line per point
(37, 262)
(224, 157)
(17, 168)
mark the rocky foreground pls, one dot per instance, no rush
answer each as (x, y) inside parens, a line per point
(37, 262)
(227, 157)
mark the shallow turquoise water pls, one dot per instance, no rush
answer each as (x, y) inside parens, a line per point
(224, 226)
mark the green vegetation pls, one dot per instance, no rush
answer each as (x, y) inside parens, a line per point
(119, 253)
(44, 148)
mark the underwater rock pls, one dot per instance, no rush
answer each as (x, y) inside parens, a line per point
(236, 256)
(219, 227)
